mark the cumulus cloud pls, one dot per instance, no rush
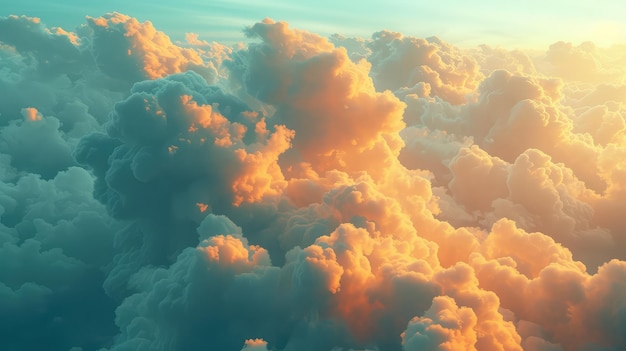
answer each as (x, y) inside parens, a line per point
(317, 91)
(306, 193)
(403, 62)
(444, 326)
(57, 246)
(127, 49)
(585, 62)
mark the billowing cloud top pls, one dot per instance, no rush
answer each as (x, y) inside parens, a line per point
(307, 193)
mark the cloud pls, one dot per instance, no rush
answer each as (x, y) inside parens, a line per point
(491, 59)
(317, 91)
(402, 62)
(36, 145)
(444, 326)
(55, 50)
(255, 344)
(124, 48)
(302, 193)
(585, 62)
(57, 245)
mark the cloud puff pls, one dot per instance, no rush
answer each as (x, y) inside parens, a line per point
(491, 59)
(317, 91)
(55, 49)
(124, 48)
(56, 248)
(585, 62)
(147, 164)
(402, 62)
(444, 326)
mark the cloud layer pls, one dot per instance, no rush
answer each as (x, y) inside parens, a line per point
(307, 193)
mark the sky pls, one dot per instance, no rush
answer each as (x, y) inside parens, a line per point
(531, 24)
(230, 176)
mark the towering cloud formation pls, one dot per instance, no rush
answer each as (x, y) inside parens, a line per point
(321, 94)
(304, 193)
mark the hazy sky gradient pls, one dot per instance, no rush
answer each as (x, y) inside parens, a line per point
(529, 24)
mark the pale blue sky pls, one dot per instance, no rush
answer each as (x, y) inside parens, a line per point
(513, 24)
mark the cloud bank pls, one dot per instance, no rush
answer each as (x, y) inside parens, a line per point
(307, 193)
